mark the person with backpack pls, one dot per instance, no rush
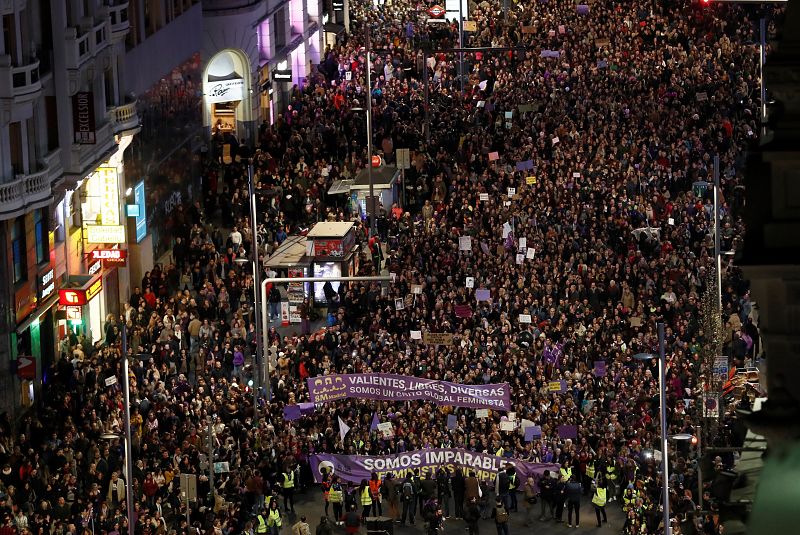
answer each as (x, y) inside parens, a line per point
(573, 492)
(500, 516)
(391, 492)
(472, 514)
(409, 500)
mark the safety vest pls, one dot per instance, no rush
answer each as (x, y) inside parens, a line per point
(335, 494)
(566, 473)
(375, 487)
(366, 497)
(512, 482)
(288, 480)
(611, 472)
(274, 518)
(629, 501)
(599, 498)
(590, 470)
(262, 525)
(499, 453)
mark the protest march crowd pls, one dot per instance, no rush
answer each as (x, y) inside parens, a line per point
(602, 120)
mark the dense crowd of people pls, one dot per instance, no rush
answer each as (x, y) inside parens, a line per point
(619, 109)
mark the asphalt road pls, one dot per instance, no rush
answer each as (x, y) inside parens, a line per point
(311, 505)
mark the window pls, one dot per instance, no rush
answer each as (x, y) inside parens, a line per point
(42, 237)
(280, 29)
(18, 251)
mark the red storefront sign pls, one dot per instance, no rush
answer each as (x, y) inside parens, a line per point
(110, 257)
(79, 296)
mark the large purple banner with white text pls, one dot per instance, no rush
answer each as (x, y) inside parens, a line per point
(355, 468)
(390, 387)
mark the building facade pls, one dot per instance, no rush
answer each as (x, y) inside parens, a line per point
(70, 71)
(254, 52)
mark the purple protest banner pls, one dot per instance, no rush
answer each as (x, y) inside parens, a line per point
(568, 431)
(600, 368)
(533, 432)
(355, 468)
(483, 294)
(525, 166)
(463, 311)
(384, 386)
(550, 54)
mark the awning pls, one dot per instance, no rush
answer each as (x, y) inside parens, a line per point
(383, 177)
(340, 186)
(332, 27)
(38, 313)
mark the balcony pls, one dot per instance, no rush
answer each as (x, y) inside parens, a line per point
(85, 43)
(123, 118)
(84, 158)
(20, 83)
(28, 190)
(118, 14)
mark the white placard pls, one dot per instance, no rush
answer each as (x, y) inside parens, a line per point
(555, 140)
(470, 282)
(523, 243)
(512, 416)
(512, 192)
(484, 197)
(464, 243)
(111, 381)
(530, 253)
(507, 203)
(507, 426)
(416, 335)
(392, 277)
(671, 221)
(506, 230)
(576, 175)
(481, 413)
(520, 258)
(399, 304)
(386, 429)
(348, 75)
(416, 289)
(525, 318)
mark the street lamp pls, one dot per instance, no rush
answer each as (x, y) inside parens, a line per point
(662, 365)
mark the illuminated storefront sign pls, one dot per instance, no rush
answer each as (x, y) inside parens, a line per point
(110, 257)
(74, 313)
(72, 297)
(108, 183)
(105, 234)
(94, 289)
(224, 91)
(47, 284)
(141, 218)
(94, 267)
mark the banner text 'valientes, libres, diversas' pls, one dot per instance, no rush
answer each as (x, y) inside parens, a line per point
(384, 386)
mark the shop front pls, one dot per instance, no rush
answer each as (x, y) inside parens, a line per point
(227, 93)
(84, 312)
(335, 254)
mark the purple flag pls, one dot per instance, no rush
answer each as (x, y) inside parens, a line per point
(600, 368)
(525, 166)
(533, 432)
(583, 9)
(325, 388)
(355, 468)
(375, 421)
(483, 295)
(451, 421)
(568, 431)
(550, 54)
(294, 412)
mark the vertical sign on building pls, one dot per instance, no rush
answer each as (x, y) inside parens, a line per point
(109, 188)
(83, 124)
(141, 219)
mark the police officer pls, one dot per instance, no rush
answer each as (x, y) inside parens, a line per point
(287, 483)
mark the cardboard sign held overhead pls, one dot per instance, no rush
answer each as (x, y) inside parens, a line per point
(439, 339)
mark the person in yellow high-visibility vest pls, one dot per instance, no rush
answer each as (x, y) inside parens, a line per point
(366, 499)
(599, 500)
(336, 497)
(566, 473)
(274, 521)
(261, 528)
(287, 484)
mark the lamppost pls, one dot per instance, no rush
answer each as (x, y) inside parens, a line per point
(373, 229)
(694, 440)
(662, 367)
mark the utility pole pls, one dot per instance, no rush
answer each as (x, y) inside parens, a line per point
(662, 387)
(257, 295)
(126, 393)
(717, 255)
(461, 44)
(426, 94)
(371, 204)
(212, 490)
